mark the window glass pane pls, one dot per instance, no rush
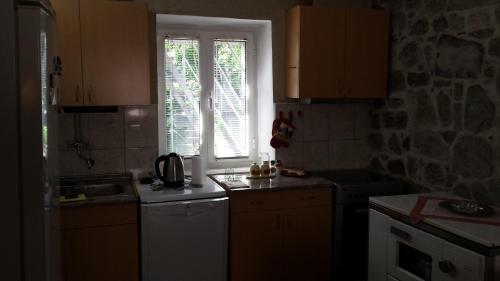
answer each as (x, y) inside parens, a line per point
(182, 96)
(230, 99)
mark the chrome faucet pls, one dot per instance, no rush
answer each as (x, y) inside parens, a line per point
(78, 146)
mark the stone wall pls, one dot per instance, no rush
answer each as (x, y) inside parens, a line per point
(439, 127)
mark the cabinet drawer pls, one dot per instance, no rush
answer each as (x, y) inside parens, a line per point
(98, 215)
(308, 198)
(261, 201)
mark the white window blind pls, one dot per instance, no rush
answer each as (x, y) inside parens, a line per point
(182, 96)
(230, 99)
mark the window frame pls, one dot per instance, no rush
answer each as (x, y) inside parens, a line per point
(206, 38)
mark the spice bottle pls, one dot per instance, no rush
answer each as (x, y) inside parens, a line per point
(265, 170)
(254, 170)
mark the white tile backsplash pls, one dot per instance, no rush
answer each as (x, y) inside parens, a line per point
(141, 158)
(141, 126)
(316, 122)
(123, 140)
(108, 161)
(106, 130)
(329, 136)
(341, 122)
(292, 156)
(315, 157)
(341, 154)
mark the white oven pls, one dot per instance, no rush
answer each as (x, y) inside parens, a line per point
(414, 255)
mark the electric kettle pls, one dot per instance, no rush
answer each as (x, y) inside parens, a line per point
(173, 170)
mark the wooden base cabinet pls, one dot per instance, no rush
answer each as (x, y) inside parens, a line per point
(307, 242)
(256, 246)
(283, 235)
(100, 247)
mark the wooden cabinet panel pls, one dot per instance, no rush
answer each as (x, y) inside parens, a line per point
(256, 201)
(315, 47)
(69, 50)
(308, 198)
(337, 53)
(293, 37)
(115, 51)
(98, 215)
(280, 244)
(367, 50)
(256, 246)
(102, 253)
(321, 70)
(307, 244)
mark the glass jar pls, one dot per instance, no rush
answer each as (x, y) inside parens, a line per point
(254, 170)
(265, 170)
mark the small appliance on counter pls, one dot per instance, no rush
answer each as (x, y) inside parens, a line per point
(173, 170)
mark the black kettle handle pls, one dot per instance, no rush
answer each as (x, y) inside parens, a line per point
(157, 166)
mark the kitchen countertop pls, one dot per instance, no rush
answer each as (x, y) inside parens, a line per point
(273, 184)
(486, 235)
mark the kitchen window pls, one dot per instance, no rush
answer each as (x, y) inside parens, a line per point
(207, 95)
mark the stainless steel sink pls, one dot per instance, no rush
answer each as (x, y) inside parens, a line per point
(97, 188)
(104, 189)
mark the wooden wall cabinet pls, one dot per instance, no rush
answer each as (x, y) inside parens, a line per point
(100, 243)
(284, 235)
(336, 53)
(105, 52)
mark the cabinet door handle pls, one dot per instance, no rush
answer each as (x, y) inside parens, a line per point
(400, 233)
(307, 198)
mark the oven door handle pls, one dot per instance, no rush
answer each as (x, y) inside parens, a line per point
(400, 233)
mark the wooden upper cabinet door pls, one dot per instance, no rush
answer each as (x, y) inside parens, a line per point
(367, 52)
(307, 244)
(69, 50)
(292, 52)
(321, 69)
(256, 246)
(115, 52)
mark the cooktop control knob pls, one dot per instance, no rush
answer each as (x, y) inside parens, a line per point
(446, 267)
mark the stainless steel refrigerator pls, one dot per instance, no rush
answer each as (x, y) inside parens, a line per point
(38, 69)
